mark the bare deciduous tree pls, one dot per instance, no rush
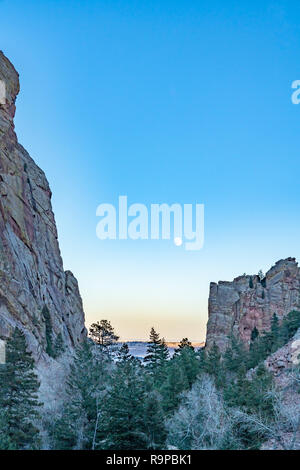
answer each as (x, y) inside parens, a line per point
(202, 421)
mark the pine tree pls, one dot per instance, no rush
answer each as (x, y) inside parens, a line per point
(64, 429)
(202, 356)
(260, 275)
(212, 364)
(163, 358)
(152, 356)
(18, 394)
(184, 343)
(252, 397)
(290, 325)
(264, 282)
(123, 354)
(122, 424)
(260, 348)
(5, 441)
(174, 385)
(254, 334)
(251, 394)
(284, 333)
(74, 429)
(261, 384)
(59, 346)
(187, 360)
(103, 334)
(156, 358)
(235, 356)
(154, 421)
(228, 358)
(275, 339)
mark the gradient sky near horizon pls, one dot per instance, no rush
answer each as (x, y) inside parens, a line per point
(162, 101)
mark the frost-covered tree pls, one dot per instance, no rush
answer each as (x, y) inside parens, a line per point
(202, 421)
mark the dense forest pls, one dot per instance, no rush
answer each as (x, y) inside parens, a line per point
(192, 400)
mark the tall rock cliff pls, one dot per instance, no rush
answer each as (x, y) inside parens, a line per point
(32, 277)
(248, 301)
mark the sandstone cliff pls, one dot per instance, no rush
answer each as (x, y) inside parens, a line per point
(247, 302)
(31, 267)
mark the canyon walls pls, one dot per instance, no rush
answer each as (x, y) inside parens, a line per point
(237, 307)
(36, 294)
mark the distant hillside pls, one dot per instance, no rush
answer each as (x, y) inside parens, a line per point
(175, 344)
(139, 348)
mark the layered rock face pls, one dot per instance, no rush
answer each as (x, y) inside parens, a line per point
(237, 307)
(31, 267)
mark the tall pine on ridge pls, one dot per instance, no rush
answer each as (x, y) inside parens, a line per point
(18, 394)
(157, 358)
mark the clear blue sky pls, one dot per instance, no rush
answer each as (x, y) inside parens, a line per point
(163, 101)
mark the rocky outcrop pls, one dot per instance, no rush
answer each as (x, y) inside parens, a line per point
(286, 357)
(248, 301)
(31, 267)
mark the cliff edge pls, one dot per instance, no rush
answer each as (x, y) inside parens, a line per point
(250, 301)
(36, 294)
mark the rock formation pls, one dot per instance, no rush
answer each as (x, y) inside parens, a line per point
(286, 357)
(237, 307)
(32, 277)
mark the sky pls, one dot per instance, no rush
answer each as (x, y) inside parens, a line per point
(165, 102)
